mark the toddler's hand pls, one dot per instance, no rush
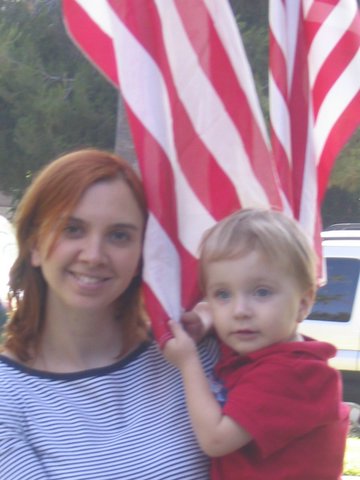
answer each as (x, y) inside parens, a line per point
(197, 322)
(181, 348)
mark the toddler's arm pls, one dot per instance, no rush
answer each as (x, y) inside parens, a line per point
(217, 434)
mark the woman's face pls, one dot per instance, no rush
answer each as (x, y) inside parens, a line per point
(97, 254)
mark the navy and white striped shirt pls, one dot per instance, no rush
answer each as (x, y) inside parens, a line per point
(127, 421)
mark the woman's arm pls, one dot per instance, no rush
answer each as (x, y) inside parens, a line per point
(217, 434)
(17, 459)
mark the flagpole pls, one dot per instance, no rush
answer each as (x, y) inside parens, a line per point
(124, 145)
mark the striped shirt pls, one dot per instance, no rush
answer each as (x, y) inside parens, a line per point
(127, 421)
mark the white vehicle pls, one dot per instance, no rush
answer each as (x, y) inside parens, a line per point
(335, 317)
(8, 252)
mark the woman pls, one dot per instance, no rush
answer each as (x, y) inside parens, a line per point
(84, 391)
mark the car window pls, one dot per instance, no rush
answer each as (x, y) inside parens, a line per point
(334, 301)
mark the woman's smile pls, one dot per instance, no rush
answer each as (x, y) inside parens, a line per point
(84, 279)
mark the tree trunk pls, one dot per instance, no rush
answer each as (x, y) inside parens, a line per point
(124, 145)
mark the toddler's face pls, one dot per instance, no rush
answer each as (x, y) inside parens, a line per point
(254, 302)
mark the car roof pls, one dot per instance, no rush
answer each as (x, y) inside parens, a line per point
(342, 231)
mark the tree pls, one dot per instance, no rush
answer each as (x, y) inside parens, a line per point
(340, 206)
(342, 200)
(51, 98)
(346, 173)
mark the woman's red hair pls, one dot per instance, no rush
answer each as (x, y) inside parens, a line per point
(51, 197)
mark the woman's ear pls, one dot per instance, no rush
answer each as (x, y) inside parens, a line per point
(35, 257)
(306, 303)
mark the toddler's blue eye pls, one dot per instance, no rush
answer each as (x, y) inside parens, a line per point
(263, 292)
(222, 294)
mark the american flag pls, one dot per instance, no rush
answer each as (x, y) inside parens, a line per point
(314, 85)
(196, 123)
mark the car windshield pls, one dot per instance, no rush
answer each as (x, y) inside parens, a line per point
(334, 301)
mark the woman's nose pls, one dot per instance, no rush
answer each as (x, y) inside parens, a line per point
(92, 250)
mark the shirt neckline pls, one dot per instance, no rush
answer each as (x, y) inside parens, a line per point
(93, 372)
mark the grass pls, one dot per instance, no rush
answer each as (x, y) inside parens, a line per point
(352, 456)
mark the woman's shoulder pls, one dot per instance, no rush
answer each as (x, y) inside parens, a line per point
(150, 365)
(209, 350)
(7, 359)
(8, 386)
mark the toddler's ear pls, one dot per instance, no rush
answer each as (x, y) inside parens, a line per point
(306, 303)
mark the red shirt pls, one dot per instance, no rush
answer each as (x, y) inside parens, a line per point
(289, 399)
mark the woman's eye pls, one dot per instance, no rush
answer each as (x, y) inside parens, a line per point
(120, 236)
(72, 230)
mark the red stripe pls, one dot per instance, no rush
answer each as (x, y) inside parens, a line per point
(189, 146)
(283, 167)
(190, 291)
(279, 75)
(101, 51)
(159, 326)
(278, 65)
(208, 181)
(218, 68)
(160, 191)
(316, 16)
(157, 177)
(298, 108)
(334, 66)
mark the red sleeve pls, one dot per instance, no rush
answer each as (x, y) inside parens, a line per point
(278, 403)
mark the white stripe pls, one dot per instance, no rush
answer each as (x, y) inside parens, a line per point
(280, 120)
(277, 21)
(228, 32)
(98, 11)
(152, 106)
(329, 35)
(306, 5)
(284, 25)
(207, 112)
(162, 267)
(336, 101)
(292, 27)
(309, 193)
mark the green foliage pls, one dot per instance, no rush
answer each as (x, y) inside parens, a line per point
(252, 19)
(346, 173)
(51, 98)
(342, 199)
(340, 206)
